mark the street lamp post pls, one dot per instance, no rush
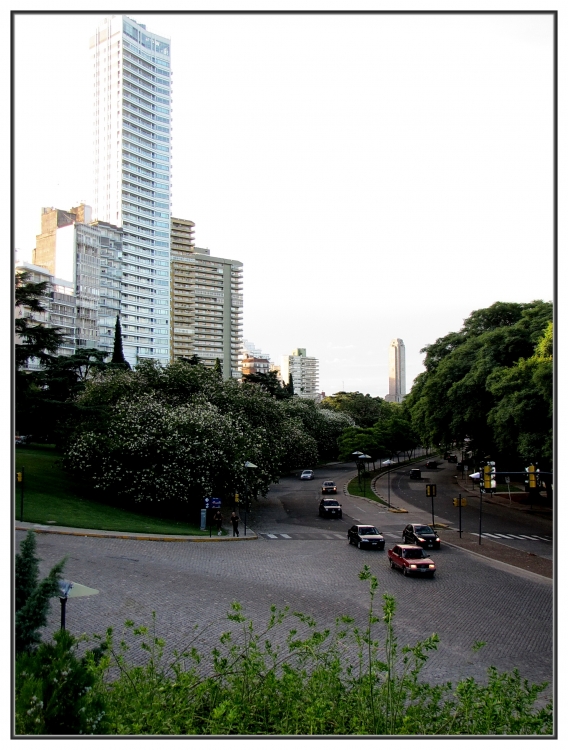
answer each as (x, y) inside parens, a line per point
(363, 457)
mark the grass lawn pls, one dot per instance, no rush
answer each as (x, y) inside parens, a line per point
(353, 488)
(52, 497)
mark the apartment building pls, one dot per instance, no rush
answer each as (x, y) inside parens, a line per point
(89, 254)
(304, 371)
(206, 303)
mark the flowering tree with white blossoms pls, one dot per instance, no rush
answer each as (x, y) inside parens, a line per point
(174, 434)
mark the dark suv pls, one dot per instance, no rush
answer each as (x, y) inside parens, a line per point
(329, 507)
(421, 535)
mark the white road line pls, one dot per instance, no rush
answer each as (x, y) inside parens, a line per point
(285, 536)
(543, 538)
(338, 536)
(272, 536)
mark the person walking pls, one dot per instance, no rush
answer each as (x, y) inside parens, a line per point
(235, 521)
(218, 518)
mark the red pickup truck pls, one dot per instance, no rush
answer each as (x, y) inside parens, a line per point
(411, 560)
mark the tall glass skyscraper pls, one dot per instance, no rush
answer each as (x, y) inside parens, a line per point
(132, 173)
(397, 371)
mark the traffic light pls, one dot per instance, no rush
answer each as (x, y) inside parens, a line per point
(488, 474)
(533, 478)
(19, 476)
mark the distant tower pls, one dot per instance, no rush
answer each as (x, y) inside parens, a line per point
(397, 371)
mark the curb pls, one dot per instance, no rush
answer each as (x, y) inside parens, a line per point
(499, 562)
(137, 537)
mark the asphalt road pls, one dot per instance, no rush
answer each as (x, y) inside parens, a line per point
(305, 562)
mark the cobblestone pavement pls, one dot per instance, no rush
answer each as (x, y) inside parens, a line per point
(194, 584)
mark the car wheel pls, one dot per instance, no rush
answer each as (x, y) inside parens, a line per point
(431, 575)
(340, 515)
(358, 545)
(382, 547)
(391, 563)
(405, 571)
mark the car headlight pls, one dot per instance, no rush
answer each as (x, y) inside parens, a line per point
(413, 566)
(431, 566)
(437, 539)
(420, 539)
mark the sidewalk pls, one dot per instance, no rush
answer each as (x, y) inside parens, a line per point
(44, 529)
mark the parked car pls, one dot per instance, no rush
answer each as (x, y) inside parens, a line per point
(307, 474)
(411, 560)
(452, 458)
(22, 439)
(421, 535)
(366, 537)
(329, 507)
(388, 462)
(415, 474)
(329, 487)
(432, 464)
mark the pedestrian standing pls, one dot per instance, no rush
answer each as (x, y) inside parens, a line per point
(235, 521)
(218, 518)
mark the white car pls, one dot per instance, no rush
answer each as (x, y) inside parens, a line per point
(307, 474)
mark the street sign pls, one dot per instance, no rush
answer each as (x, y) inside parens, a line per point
(430, 490)
(457, 501)
(215, 502)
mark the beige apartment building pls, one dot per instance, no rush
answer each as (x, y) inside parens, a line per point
(206, 303)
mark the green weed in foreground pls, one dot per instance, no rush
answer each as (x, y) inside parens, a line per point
(338, 681)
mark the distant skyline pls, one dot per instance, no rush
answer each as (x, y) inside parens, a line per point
(379, 176)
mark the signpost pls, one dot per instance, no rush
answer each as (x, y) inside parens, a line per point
(459, 501)
(431, 492)
(20, 480)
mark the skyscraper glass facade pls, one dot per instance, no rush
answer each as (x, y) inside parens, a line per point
(132, 173)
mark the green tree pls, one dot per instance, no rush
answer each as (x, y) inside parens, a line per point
(454, 397)
(522, 417)
(269, 382)
(32, 595)
(366, 410)
(117, 351)
(175, 433)
(33, 339)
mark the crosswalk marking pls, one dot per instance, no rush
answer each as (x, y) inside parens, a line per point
(286, 536)
(522, 537)
(271, 536)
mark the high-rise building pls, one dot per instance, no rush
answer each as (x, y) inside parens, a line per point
(397, 371)
(60, 307)
(88, 254)
(304, 371)
(132, 173)
(206, 303)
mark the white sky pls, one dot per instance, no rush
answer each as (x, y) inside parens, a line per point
(380, 176)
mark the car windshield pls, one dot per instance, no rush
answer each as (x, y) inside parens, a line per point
(331, 502)
(367, 530)
(424, 530)
(329, 484)
(412, 554)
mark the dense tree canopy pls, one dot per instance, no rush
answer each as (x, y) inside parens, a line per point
(177, 433)
(390, 436)
(366, 410)
(490, 383)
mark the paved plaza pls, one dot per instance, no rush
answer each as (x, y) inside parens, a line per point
(188, 584)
